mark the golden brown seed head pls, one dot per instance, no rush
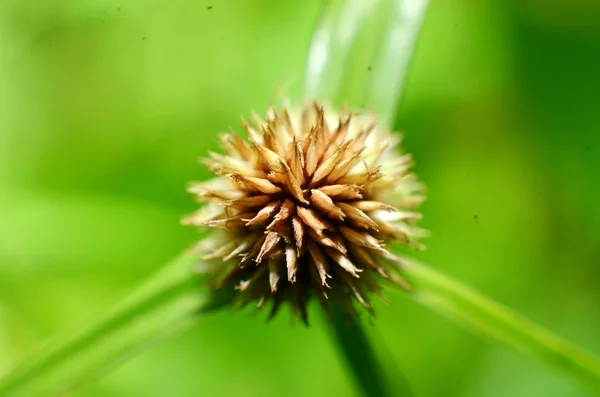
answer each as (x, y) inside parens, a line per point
(305, 207)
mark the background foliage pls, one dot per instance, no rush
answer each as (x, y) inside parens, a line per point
(105, 105)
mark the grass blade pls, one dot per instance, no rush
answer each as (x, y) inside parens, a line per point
(360, 53)
(168, 303)
(487, 318)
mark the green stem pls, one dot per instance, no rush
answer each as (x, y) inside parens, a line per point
(371, 368)
(489, 319)
(169, 302)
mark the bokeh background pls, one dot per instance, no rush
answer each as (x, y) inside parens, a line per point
(105, 106)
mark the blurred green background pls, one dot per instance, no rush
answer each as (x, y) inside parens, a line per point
(105, 106)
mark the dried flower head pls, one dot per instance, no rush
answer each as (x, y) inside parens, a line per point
(304, 209)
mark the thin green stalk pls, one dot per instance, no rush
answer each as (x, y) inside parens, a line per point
(372, 368)
(489, 319)
(169, 302)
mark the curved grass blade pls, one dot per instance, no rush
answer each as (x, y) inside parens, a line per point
(487, 318)
(170, 302)
(360, 53)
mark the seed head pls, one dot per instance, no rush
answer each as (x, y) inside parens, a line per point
(304, 208)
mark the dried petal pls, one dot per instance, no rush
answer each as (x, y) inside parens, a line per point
(362, 239)
(328, 164)
(319, 261)
(298, 227)
(343, 261)
(350, 283)
(310, 219)
(342, 192)
(270, 242)
(335, 242)
(255, 184)
(235, 146)
(362, 256)
(249, 202)
(242, 246)
(292, 184)
(344, 166)
(220, 251)
(273, 274)
(326, 204)
(297, 162)
(264, 215)
(287, 210)
(369, 206)
(272, 159)
(291, 260)
(356, 216)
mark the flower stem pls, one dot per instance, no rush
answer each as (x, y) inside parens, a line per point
(489, 319)
(372, 368)
(171, 301)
